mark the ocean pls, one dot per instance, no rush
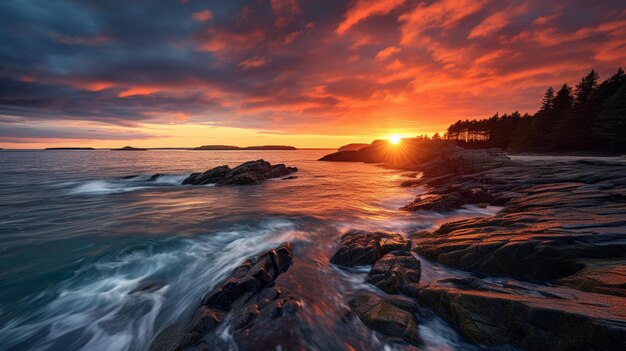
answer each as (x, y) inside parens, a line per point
(77, 236)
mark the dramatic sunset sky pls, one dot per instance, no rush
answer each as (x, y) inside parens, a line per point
(296, 72)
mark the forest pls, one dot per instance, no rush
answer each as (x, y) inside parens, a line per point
(590, 117)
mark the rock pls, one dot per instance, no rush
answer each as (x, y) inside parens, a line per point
(463, 161)
(411, 182)
(558, 220)
(394, 270)
(365, 248)
(393, 315)
(147, 287)
(435, 203)
(290, 177)
(434, 157)
(247, 173)
(600, 277)
(154, 177)
(214, 175)
(529, 316)
(247, 296)
(448, 198)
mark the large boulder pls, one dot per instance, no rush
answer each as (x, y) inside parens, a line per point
(530, 316)
(359, 247)
(394, 271)
(247, 173)
(246, 297)
(392, 315)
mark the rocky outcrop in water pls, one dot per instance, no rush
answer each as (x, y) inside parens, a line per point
(359, 247)
(248, 173)
(438, 157)
(394, 271)
(392, 315)
(531, 316)
(245, 300)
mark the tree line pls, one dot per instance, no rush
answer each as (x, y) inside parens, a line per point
(589, 117)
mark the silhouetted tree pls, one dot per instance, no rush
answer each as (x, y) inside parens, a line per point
(591, 117)
(612, 121)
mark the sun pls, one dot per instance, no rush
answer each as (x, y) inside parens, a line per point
(395, 139)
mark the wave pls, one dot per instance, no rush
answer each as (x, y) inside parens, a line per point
(122, 302)
(103, 187)
(122, 185)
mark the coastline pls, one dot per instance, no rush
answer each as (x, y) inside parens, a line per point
(536, 275)
(540, 254)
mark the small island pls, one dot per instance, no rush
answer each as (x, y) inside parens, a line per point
(129, 148)
(69, 148)
(229, 147)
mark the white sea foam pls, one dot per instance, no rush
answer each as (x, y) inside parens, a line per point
(103, 187)
(95, 310)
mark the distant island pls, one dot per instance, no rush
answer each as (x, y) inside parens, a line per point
(229, 147)
(129, 148)
(69, 148)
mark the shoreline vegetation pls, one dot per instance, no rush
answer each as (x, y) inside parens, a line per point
(587, 118)
(546, 272)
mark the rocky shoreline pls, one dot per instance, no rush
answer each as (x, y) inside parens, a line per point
(557, 250)
(548, 271)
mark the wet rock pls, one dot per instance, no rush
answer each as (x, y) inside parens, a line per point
(449, 198)
(463, 161)
(147, 287)
(359, 247)
(154, 177)
(247, 173)
(530, 316)
(395, 270)
(600, 277)
(246, 297)
(214, 175)
(559, 221)
(393, 315)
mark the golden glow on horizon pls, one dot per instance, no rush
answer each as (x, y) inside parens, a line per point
(395, 139)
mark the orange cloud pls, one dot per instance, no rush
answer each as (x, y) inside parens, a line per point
(496, 21)
(253, 62)
(443, 14)
(202, 16)
(134, 91)
(363, 9)
(387, 52)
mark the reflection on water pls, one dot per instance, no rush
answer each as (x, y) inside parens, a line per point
(78, 235)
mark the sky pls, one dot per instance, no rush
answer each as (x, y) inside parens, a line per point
(307, 73)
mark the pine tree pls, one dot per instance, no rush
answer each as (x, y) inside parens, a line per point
(612, 121)
(557, 129)
(548, 100)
